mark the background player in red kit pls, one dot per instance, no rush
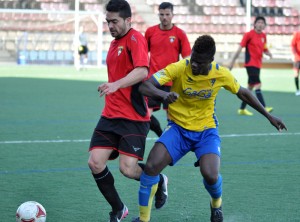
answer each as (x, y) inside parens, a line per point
(295, 44)
(124, 123)
(166, 42)
(255, 43)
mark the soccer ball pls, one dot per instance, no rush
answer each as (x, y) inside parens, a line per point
(31, 211)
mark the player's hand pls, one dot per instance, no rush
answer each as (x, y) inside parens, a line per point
(279, 125)
(171, 97)
(107, 88)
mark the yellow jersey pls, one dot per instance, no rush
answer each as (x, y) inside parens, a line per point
(195, 108)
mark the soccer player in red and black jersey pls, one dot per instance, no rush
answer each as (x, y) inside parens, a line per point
(295, 45)
(124, 123)
(255, 42)
(166, 43)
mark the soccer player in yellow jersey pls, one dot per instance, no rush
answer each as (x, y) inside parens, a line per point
(193, 125)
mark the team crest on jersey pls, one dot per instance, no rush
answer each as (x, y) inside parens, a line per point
(262, 40)
(212, 81)
(120, 50)
(172, 39)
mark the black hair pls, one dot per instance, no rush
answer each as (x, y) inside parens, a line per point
(166, 5)
(120, 6)
(204, 46)
(260, 18)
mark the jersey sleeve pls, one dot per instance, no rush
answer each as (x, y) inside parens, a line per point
(169, 73)
(230, 83)
(138, 50)
(245, 39)
(185, 45)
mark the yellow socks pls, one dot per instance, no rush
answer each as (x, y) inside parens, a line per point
(145, 211)
(216, 203)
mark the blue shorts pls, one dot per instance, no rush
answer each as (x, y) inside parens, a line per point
(180, 141)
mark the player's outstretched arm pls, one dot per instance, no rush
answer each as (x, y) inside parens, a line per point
(246, 96)
(149, 89)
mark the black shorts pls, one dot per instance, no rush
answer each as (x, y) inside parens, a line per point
(82, 50)
(156, 104)
(253, 75)
(123, 136)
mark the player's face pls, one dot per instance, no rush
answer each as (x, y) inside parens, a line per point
(165, 17)
(118, 26)
(200, 65)
(259, 26)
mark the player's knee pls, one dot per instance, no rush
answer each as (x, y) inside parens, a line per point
(210, 178)
(151, 168)
(95, 165)
(128, 171)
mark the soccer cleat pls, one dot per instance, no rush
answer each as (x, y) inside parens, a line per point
(245, 112)
(269, 109)
(119, 216)
(216, 214)
(297, 93)
(136, 219)
(161, 194)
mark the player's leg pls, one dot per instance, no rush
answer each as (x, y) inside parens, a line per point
(154, 105)
(105, 180)
(208, 154)
(155, 125)
(157, 160)
(243, 110)
(209, 167)
(165, 151)
(77, 60)
(257, 85)
(85, 55)
(101, 149)
(132, 147)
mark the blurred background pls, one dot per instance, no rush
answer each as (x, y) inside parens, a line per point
(46, 31)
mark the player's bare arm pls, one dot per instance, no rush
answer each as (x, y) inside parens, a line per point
(149, 88)
(268, 53)
(246, 96)
(135, 76)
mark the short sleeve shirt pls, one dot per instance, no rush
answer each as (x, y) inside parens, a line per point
(255, 44)
(124, 55)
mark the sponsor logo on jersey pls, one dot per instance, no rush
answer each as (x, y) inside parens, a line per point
(201, 94)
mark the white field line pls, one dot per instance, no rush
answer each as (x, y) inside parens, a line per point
(154, 138)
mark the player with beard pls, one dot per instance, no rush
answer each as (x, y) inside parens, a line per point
(124, 122)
